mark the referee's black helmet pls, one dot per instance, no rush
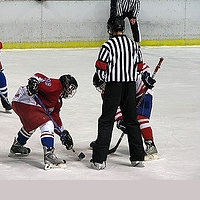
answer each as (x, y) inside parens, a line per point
(115, 24)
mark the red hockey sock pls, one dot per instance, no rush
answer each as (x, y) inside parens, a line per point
(145, 127)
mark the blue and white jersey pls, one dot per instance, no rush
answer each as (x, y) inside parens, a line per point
(3, 81)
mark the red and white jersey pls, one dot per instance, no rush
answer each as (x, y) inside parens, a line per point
(50, 90)
(140, 87)
(32, 115)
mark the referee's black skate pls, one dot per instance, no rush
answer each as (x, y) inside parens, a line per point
(98, 166)
(137, 163)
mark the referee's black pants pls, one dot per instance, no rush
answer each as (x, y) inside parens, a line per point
(136, 32)
(134, 28)
(123, 95)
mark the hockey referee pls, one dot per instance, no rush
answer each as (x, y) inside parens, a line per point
(128, 9)
(116, 66)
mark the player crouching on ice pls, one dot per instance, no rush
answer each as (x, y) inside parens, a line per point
(32, 115)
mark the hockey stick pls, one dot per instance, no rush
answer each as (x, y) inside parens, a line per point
(140, 101)
(81, 155)
(116, 146)
(153, 75)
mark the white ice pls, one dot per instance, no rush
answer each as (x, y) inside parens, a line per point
(175, 117)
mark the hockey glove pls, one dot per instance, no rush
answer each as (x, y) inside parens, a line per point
(121, 125)
(32, 86)
(147, 80)
(66, 140)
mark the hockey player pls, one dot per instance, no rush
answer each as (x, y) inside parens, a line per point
(144, 110)
(3, 87)
(128, 9)
(50, 91)
(116, 66)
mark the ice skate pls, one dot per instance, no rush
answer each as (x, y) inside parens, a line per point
(98, 166)
(151, 151)
(18, 150)
(8, 111)
(7, 105)
(8, 108)
(51, 161)
(137, 163)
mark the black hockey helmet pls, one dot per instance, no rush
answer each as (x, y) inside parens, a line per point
(69, 84)
(98, 83)
(115, 24)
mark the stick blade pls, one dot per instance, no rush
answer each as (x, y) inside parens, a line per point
(112, 150)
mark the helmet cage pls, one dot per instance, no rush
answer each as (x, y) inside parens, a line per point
(70, 86)
(69, 91)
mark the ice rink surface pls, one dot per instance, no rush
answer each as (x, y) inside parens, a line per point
(175, 117)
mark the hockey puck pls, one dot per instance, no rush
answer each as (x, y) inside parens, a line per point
(81, 156)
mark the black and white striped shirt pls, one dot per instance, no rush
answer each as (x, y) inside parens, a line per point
(117, 60)
(126, 6)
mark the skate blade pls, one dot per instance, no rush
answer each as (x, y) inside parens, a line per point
(17, 155)
(151, 157)
(52, 166)
(8, 111)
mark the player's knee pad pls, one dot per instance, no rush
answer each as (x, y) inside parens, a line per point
(47, 134)
(47, 127)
